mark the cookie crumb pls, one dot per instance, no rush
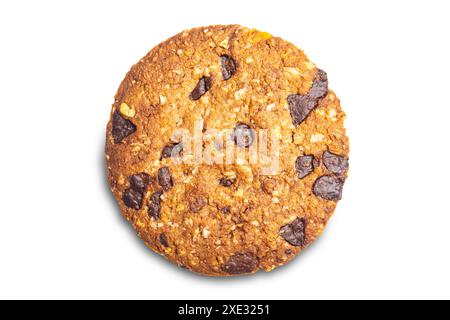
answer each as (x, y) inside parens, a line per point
(317, 137)
(206, 233)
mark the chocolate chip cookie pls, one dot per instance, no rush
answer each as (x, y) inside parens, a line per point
(226, 150)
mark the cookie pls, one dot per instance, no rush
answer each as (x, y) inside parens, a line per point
(226, 150)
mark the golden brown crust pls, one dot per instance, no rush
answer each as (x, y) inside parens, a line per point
(207, 227)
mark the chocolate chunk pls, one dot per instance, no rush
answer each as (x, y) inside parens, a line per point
(154, 205)
(121, 127)
(133, 198)
(228, 66)
(225, 210)
(329, 187)
(203, 85)
(165, 179)
(335, 163)
(226, 182)
(243, 135)
(154, 210)
(163, 240)
(197, 203)
(294, 232)
(171, 150)
(156, 197)
(319, 88)
(304, 165)
(240, 263)
(300, 106)
(140, 181)
(288, 251)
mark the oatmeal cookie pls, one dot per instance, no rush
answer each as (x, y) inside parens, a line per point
(226, 150)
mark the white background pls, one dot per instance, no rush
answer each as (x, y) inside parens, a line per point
(61, 234)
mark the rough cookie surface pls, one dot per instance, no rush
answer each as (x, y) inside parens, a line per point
(226, 219)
